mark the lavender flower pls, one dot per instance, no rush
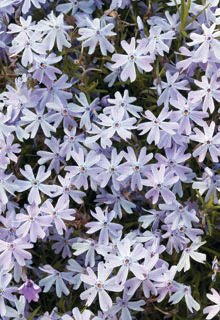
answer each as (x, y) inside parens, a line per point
(59, 278)
(95, 33)
(134, 56)
(157, 123)
(30, 290)
(127, 260)
(209, 91)
(5, 291)
(55, 30)
(14, 249)
(104, 224)
(214, 309)
(208, 142)
(57, 214)
(135, 168)
(160, 180)
(184, 261)
(35, 184)
(32, 223)
(99, 285)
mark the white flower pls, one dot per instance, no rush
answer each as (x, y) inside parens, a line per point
(190, 252)
(214, 309)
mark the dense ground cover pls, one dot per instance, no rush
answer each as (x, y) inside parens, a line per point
(109, 159)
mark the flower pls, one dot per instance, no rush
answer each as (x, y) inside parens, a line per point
(99, 285)
(157, 42)
(209, 91)
(67, 190)
(74, 6)
(157, 123)
(171, 89)
(104, 224)
(32, 223)
(178, 214)
(207, 141)
(55, 30)
(30, 43)
(85, 315)
(174, 160)
(214, 309)
(57, 277)
(27, 4)
(134, 56)
(63, 243)
(110, 170)
(42, 68)
(150, 277)
(206, 42)
(185, 291)
(5, 291)
(30, 290)
(14, 249)
(124, 102)
(35, 184)
(88, 245)
(124, 304)
(54, 156)
(184, 261)
(86, 111)
(187, 114)
(117, 123)
(7, 185)
(127, 260)
(57, 214)
(116, 200)
(36, 120)
(134, 168)
(19, 313)
(86, 167)
(160, 180)
(95, 33)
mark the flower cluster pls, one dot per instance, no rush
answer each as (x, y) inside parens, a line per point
(109, 159)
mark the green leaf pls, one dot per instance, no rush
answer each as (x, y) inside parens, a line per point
(34, 313)
(185, 34)
(178, 9)
(196, 16)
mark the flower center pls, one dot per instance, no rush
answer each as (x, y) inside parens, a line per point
(105, 224)
(112, 170)
(67, 189)
(182, 229)
(208, 90)
(136, 168)
(171, 163)
(42, 65)
(131, 57)
(35, 182)
(29, 284)
(208, 142)
(116, 125)
(186, 112)
(82, 169)
(127, 261)
(53, 213)
(159, 185)
(156, 121)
